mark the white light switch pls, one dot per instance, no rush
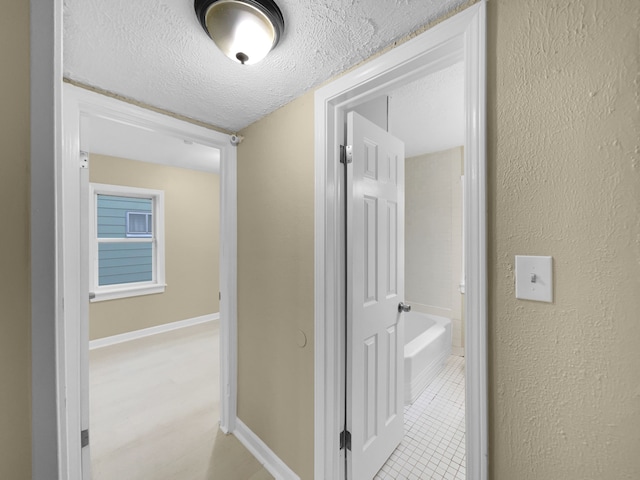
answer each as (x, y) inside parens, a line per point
(534, 278)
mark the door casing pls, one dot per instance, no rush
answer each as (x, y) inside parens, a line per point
(71, 292)
(459, 38)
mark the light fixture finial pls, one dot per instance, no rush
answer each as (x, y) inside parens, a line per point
(245, 30)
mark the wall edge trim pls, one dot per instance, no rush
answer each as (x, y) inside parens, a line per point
(269, 460)
(147, 332)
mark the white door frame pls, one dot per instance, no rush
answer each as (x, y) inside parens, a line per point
(72, 292)
(461, 37)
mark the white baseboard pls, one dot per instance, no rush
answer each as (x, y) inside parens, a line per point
(263, 453)
(146, 332)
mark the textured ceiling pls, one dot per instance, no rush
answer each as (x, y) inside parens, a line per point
(155, 52)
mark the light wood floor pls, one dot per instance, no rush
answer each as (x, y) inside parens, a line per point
(155, 411)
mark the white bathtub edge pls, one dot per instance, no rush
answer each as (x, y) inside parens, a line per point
(413, 389)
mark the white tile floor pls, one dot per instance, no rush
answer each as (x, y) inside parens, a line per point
(433, 446)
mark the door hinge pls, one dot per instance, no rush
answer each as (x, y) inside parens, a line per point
(84, 438)
(345, 440)
(346, 153)
(84, 159)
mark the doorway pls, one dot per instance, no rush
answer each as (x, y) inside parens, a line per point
(153, 315)
(427, 115)
(458, 39)
(73, 287)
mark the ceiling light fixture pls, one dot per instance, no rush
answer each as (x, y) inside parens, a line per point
(245, 30)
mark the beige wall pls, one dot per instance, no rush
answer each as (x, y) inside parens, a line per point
(275, 282)
(564, 180)
(191, 246)
(433, 236)
(15, 350)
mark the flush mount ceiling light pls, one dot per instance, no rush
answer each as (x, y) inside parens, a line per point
(245, 30)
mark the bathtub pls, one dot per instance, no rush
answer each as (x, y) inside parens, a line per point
(427, 345)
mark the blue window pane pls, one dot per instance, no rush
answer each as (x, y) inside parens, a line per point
(112, 214)
(124, 263)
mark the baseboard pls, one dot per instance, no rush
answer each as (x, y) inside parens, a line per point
(263, 453)
(146, 332)
(457, 351)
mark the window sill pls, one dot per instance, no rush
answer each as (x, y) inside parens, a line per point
(113, 293)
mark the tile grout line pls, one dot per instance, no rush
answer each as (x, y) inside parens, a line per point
(434, 441)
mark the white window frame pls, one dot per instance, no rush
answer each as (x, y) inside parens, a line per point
(124, 290)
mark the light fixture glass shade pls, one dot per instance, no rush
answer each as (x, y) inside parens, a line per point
(243, 31)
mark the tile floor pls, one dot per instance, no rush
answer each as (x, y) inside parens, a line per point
(433, 446)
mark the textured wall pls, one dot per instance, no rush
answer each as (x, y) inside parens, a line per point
(191, 200)
(275, 282)
(15, 359)
(564, 180)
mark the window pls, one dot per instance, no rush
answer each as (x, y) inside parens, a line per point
(139, 224)
(127, 244)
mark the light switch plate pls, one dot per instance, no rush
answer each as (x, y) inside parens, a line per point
(534, 278)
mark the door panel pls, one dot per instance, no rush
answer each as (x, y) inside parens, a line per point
(375, 279)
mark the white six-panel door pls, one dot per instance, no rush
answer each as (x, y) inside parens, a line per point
(375, 330)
